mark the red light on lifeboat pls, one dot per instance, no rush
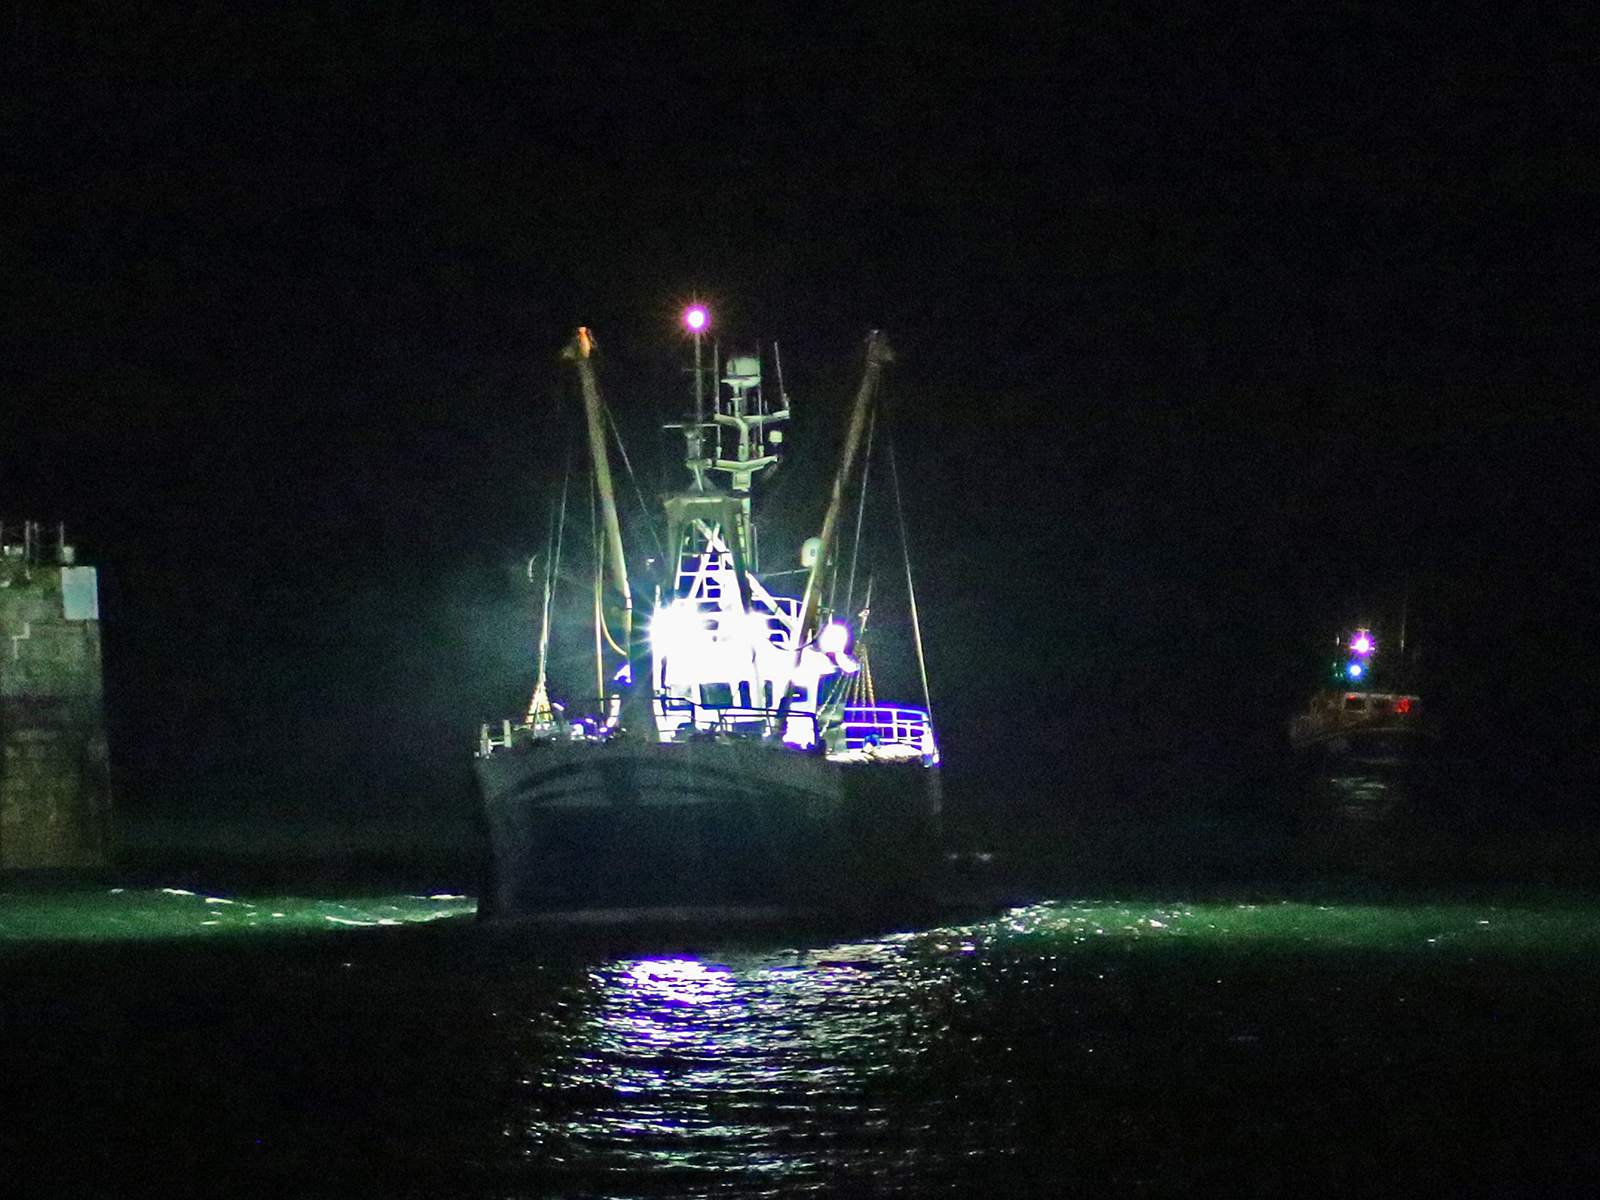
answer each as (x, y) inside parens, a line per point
(1403, 705)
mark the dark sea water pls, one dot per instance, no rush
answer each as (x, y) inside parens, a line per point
(1319, 1028)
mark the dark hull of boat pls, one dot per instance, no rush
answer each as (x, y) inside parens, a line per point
(728, 833)
(1378, 746)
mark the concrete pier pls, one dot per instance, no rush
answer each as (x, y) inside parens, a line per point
(55, 783)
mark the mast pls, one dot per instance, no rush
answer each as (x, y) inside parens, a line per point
(878, 355)
(734, 433)
(695, 319)
(617, 566)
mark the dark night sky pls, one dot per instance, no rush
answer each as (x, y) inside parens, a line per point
(1212, 332)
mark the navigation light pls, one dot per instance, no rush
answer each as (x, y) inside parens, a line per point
(695, 318)
(1355, 670)
(1362, 643)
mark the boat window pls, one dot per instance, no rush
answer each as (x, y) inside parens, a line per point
(716, 695)
(744, 693)
(1355, 703)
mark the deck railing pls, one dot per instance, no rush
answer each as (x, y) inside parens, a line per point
(705, 721)
(869, 729)
(867, 732)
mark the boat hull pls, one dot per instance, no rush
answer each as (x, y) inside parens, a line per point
(624, 829)
(1376, 746)
(1379, 729)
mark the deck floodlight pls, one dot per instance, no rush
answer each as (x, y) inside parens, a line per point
(1362, 643)
(696, 318)
(677, 628)
(834, 638)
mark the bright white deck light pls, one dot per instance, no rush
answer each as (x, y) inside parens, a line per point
(834, 638)
(676, 629)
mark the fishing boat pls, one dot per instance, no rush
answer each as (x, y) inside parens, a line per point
(736, 766)
(1367, 714)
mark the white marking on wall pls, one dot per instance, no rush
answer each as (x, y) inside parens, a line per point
(80, 594)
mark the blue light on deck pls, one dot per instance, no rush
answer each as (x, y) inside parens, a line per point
(1355, 670)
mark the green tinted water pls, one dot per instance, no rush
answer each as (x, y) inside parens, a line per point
(169, 1040)
(116, 914)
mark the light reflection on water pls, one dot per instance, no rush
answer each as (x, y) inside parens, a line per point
(1367, 797)
(1105, 1048)
(764, 1067)
(905, 1061)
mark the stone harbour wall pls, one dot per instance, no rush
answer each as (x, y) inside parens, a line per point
(55, 784)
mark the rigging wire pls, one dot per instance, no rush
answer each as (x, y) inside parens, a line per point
(861, 689)
(861, 510)
(911, 591)
(633, 478)
(539, 706)
(602, 628)
(777, 478)
(599, 583)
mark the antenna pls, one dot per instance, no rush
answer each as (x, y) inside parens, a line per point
(777, 361)
(696, 319)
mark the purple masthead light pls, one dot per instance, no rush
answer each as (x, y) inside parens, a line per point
(695, 318)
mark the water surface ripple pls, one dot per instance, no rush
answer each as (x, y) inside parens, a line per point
(1122, 1046)
(1104, 1049)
